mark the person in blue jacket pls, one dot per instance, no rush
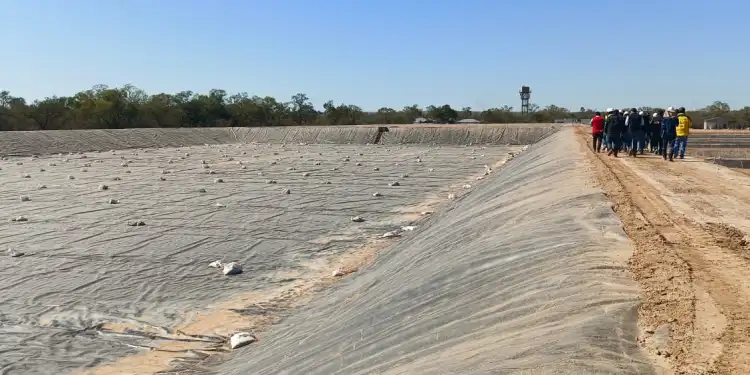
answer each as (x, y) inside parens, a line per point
(668, 134)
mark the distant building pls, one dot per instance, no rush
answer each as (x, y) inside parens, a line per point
(421, 120)
(716, 123)
(468, 121)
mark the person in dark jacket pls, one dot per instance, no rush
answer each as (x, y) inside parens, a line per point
(668, 134)
(609, 112)
(613, 127)
(606, 143)
(645, 121)
(597, 131)
(634, 125)
(655, 130)
(625, 137)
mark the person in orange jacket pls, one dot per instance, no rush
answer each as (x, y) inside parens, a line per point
(684, 123)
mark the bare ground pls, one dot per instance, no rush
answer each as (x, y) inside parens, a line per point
(688, 222)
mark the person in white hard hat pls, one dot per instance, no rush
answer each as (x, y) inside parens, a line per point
(625, 137)
(643, 140)
(654, 129)
(668, 134)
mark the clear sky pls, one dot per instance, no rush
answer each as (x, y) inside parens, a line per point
(374, 53)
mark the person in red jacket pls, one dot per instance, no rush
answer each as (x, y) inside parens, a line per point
(597, 131)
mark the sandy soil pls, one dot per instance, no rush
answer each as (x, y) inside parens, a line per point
(524, 275)
(688, 221)
(91, 289)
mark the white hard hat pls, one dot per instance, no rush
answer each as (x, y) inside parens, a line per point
(655, 114)
(670, 109)
(640, 113)
(610, 110)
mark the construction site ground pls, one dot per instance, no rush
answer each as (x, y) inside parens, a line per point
(688, 221)
(508, 259)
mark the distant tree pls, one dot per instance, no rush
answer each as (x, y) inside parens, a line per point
(445, 114)
(412, 112)
(331, 113)
(355, 114)
(303, 110)
(431, 112)
(718, 108)
(386, 115)
(742, 116)
(49, 113)
(128, 106)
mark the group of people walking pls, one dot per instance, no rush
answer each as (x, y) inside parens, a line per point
(663, 133)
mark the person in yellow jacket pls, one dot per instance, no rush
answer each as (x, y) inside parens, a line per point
(684, 123)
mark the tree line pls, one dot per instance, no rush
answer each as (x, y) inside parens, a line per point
(103, 107)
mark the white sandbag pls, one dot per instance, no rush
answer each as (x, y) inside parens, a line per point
(232, 268)
(392, 234)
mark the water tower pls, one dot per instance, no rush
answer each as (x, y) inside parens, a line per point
(525, 97)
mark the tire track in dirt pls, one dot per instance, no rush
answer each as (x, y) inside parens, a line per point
(689, 173)
(718, 198)
(695, 310)
(688, 190)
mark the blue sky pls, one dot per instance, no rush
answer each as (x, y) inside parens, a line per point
(593, 53)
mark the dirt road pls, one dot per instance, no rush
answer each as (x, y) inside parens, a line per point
(688, 222)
